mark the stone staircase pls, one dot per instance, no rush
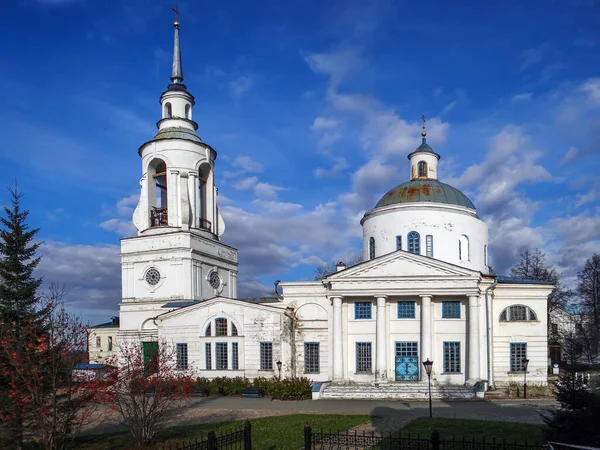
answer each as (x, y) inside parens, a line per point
(405, 390)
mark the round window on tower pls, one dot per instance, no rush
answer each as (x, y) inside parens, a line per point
(152, 276)
(214, 280)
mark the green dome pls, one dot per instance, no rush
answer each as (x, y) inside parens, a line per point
(425, 191)
(177, 133)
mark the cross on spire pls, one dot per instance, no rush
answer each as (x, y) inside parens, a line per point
(423, 132)
(176, 11)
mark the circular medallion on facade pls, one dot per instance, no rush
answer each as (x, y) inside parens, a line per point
(152, 276)
(214, 280)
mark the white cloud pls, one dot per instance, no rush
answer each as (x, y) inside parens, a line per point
(585, 198)
(340, 164)
(449, 107)
(524, 97)
(592, 89)
(123, 227)
(261, 189)
(240, 85)
(570, 155)
(246, 164)
(325, 123)
(337, 65)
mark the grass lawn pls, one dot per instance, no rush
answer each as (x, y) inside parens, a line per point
(479, 429)
(268, 433)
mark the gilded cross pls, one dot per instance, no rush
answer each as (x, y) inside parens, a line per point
(176, 11)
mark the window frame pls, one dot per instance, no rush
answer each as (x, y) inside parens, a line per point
(181, 352)
(508, 314)
(422, 169)
(429, 245)
(221, 356)
(98, 341)
(448, 311)
(235, 356)
(110, 343)
(360, 314)
(371, 248)
(518, 352)
(208, 356)
(403, 312)
(266, 356)
(398, 242)
(452, 355)
(364, 362)
(413, 242)
(221, 324)
(312, 357)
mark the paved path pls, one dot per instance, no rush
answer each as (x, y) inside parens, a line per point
(387, 415)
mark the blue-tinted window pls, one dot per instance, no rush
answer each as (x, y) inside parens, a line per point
(451, 357)
(518, 355)
(451, 310)
(398, 242)
(362, 310)
(406, 310)
(372, 248)
(414, 242)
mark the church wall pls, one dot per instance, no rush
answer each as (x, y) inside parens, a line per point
(533, 333)
(445, 223)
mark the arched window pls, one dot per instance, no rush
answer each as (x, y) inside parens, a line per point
(157, 195)
(463, 248)
(234, 331)
(168, 112)
(204, 177)
(371, 248)
(414, 242)
(208, 330)
(187, 111)
(517, 313)
(422, 169)
(220, 327)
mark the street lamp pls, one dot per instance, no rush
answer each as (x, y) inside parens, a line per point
(427, 364)
(279, 368)
(525, 364)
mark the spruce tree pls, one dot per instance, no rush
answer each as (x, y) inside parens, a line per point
(18, 260)
(19, 303)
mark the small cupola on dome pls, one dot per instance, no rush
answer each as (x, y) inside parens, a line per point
(423, 161)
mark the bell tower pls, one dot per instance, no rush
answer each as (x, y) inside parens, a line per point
(177, 256)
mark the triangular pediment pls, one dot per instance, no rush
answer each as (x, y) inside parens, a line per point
(237, 303)
(402, 264)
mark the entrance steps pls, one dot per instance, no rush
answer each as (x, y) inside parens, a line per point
(396, 390)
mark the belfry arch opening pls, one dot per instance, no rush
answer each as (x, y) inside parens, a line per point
(204, 187)
(168, 111)
(158, 193)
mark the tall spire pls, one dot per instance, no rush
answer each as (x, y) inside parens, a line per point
(177, 75)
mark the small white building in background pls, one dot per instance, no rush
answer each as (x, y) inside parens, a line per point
(102, 341)
(424, 290)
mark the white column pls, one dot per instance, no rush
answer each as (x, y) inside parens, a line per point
(338, 349)
(473, 338)
(426, 332)
(380, 356)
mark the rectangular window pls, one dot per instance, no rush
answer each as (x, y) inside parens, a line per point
(266, 356)
(450, 310)
(221, 327)
(311, 357)
(98, 341)
(221, 354)
(429, 245)
(208, 356)
(406, 310)
(407, 349)
(182, 356)
(235, 356)
(110, 343)
(554, 327)
(362, 310)
(363, 357)
(398, 242)
(451, 357)
(518, 352)
(485, 255)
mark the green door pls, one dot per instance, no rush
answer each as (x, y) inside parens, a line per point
(150, 353)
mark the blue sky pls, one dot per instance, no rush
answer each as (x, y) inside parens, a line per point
(312, 107)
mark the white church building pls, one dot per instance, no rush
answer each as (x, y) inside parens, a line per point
(423, 292)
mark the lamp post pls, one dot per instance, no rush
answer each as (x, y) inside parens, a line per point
(525, 364)
(427, 364)
(279, 368)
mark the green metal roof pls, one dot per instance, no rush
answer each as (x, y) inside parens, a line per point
(425, 191)
(177, 133)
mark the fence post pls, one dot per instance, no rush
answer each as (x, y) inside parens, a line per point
(435, 440)
(247, 435)
(307, 437)
(212, 440)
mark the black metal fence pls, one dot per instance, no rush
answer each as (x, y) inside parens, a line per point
(233, 440)
(395, 441)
